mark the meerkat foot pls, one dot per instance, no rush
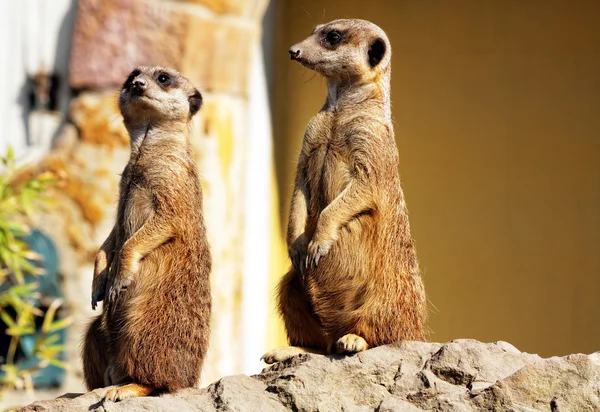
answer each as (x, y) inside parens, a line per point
(281, 354)
(131, 390)
(351, 343)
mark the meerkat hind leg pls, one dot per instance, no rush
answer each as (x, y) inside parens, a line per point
(130, 390)
(351, 343)
(281, 354)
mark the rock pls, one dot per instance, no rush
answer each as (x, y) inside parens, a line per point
(462, 375)
(214, 54)
(461, 362)
(124, 33)
(98, 119)
(236, 7)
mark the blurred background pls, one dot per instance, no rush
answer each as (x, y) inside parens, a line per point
(496, 109)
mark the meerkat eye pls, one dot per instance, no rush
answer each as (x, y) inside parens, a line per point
(333, 37)
(163, 78)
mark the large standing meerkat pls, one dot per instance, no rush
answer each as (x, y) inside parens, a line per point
(153, 269)
(355, 281)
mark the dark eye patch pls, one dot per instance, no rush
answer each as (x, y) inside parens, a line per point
(163, 79)
(333, 37)
(132, 76)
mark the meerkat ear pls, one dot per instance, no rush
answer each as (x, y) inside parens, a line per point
(376, 52)
(195, 102)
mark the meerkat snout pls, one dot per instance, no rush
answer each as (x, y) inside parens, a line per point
(138, 86)
(294, 54)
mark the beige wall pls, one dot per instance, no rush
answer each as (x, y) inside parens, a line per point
(496, 107)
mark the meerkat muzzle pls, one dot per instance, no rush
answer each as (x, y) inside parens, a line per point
(138, 87)
(294, 54)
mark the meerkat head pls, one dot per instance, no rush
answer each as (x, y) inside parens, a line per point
(157, 94)
(346, 48)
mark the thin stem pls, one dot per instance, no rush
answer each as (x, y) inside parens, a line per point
(12, 349)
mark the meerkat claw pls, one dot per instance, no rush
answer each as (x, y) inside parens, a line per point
(96, 297)
(316, 251)
(116, 288)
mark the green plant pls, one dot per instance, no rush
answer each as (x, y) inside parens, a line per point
(21, 194)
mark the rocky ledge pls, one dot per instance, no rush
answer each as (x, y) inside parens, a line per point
(462, 375)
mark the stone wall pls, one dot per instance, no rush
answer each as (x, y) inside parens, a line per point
(211, 42)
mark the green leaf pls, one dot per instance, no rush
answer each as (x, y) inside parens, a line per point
(8, 321)
(25, 290)
(60, 324)
(50, 340)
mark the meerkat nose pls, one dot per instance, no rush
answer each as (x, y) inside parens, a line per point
(139, 85)
(294, 54)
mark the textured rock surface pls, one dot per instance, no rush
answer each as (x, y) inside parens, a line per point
(237, 7)
(214, 52)
(462, 375)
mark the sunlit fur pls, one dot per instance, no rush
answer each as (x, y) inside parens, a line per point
(153, 270)
(355, 272)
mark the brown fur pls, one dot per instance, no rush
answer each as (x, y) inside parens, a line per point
(153, 269)
(355, 280)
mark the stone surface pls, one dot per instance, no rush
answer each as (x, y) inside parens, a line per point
(462, 375)
(215, 54)
(98, 119)
(237, 7)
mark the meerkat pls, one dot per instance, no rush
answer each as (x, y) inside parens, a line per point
(152, 272)
(355, 281)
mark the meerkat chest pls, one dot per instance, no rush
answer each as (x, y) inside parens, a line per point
(136, 204)
(328, 163)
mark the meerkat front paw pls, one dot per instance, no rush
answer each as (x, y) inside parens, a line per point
(127, 268)
(101, 265)
(98, 289)
(317, 250)
(297, 253)
(351, 343)
(120, 283)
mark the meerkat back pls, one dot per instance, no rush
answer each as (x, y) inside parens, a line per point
(152, 272)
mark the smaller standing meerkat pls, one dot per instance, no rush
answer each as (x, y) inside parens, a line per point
(152, 272)
(355, 281)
